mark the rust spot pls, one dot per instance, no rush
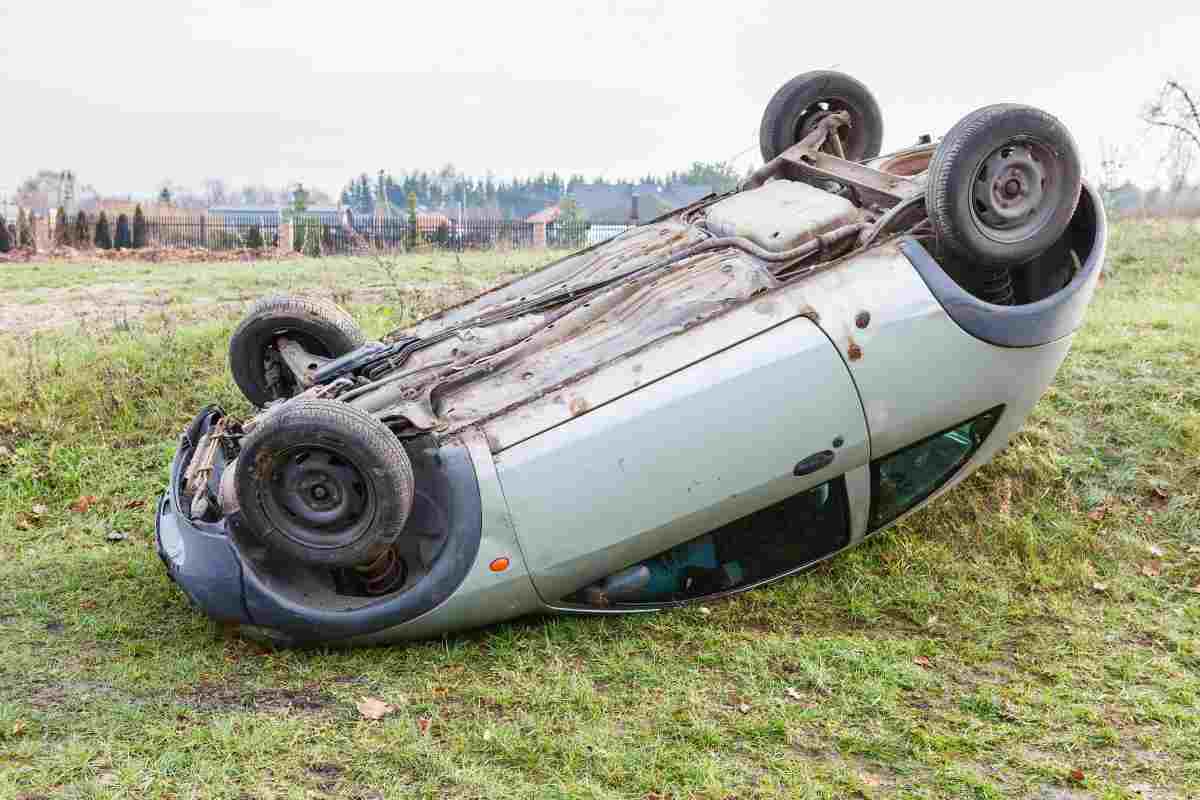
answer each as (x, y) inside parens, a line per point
(854, 351)
(578, 406)
(262, 465)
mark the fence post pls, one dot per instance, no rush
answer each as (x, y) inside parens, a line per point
(539, 235)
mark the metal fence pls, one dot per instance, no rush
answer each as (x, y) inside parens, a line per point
(232, 232)
(396, 233)
(212, 233)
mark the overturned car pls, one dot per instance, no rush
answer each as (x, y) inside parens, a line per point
(708, 402)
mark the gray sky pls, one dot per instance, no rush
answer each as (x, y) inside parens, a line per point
(130, 93)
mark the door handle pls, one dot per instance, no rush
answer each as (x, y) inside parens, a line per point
(813, 463)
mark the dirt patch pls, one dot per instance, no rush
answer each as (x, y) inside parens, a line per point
(71, 695)
(150, 255)
(214, 697)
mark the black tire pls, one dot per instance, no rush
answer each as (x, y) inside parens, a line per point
(324, 483)
(1003, 185)
(322, 327)
(802, 100)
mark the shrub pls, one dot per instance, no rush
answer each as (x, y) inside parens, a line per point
(124, 239)
(139, 228)
(5, 241)
(312, 238)
(103, 238)
(254, 238)
(81, 237)
(298, 234)
(62, 231)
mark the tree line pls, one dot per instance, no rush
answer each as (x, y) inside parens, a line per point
(80, 232)
(516, 197)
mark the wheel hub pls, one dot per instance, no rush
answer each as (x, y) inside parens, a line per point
(1014, 190)
(322, 496)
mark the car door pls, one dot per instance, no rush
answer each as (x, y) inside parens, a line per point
(739, 432)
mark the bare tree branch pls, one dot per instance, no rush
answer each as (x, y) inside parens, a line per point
(1191, 103)
(1174, 126)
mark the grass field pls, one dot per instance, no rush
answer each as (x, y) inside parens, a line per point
(39, 296)
(1033, 634)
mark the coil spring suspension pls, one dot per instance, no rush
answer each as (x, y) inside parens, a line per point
(994, 285)
(383, 574)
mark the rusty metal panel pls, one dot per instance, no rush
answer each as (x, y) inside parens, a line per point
(780, 215)
(598, 331)
(623, 254)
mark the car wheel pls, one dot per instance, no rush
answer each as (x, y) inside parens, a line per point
(1003, 185)
(324, 483)
(320, 327)
(804, 100)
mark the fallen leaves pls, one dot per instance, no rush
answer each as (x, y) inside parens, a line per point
(85, 502)
(132, 504)
(18, 728)
(374, 708)
(116, 536)
(423, 724)
(923, 661)
(792, 693)
(1152, 569)
(1100, 587)
(26, 520)
(743, 708)
(1159, 497)
(1076, 775)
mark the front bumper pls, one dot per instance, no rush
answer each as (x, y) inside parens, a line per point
(204, 559)
(199, 556)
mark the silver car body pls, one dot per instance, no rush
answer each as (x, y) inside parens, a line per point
(616, 428)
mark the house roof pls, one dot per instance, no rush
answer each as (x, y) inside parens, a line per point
(547, 214)
(614, 202)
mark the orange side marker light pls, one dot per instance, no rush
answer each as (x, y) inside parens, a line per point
(499, 564)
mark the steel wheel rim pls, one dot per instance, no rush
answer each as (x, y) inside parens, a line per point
(318, 497)
(1017, 188)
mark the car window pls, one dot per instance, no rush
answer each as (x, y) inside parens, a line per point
(905, 478)
(766, 544)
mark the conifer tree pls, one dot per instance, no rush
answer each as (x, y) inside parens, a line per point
(82, 230)
(254, 237)
(23, 238)
(62, 231)
(103, 238)
(139, 228)
(123, 239)
(5, 241)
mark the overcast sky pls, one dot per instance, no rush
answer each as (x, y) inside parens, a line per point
(127, 94)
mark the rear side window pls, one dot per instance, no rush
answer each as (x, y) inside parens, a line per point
(903, 479)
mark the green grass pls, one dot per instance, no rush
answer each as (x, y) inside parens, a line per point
(1033, 634)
